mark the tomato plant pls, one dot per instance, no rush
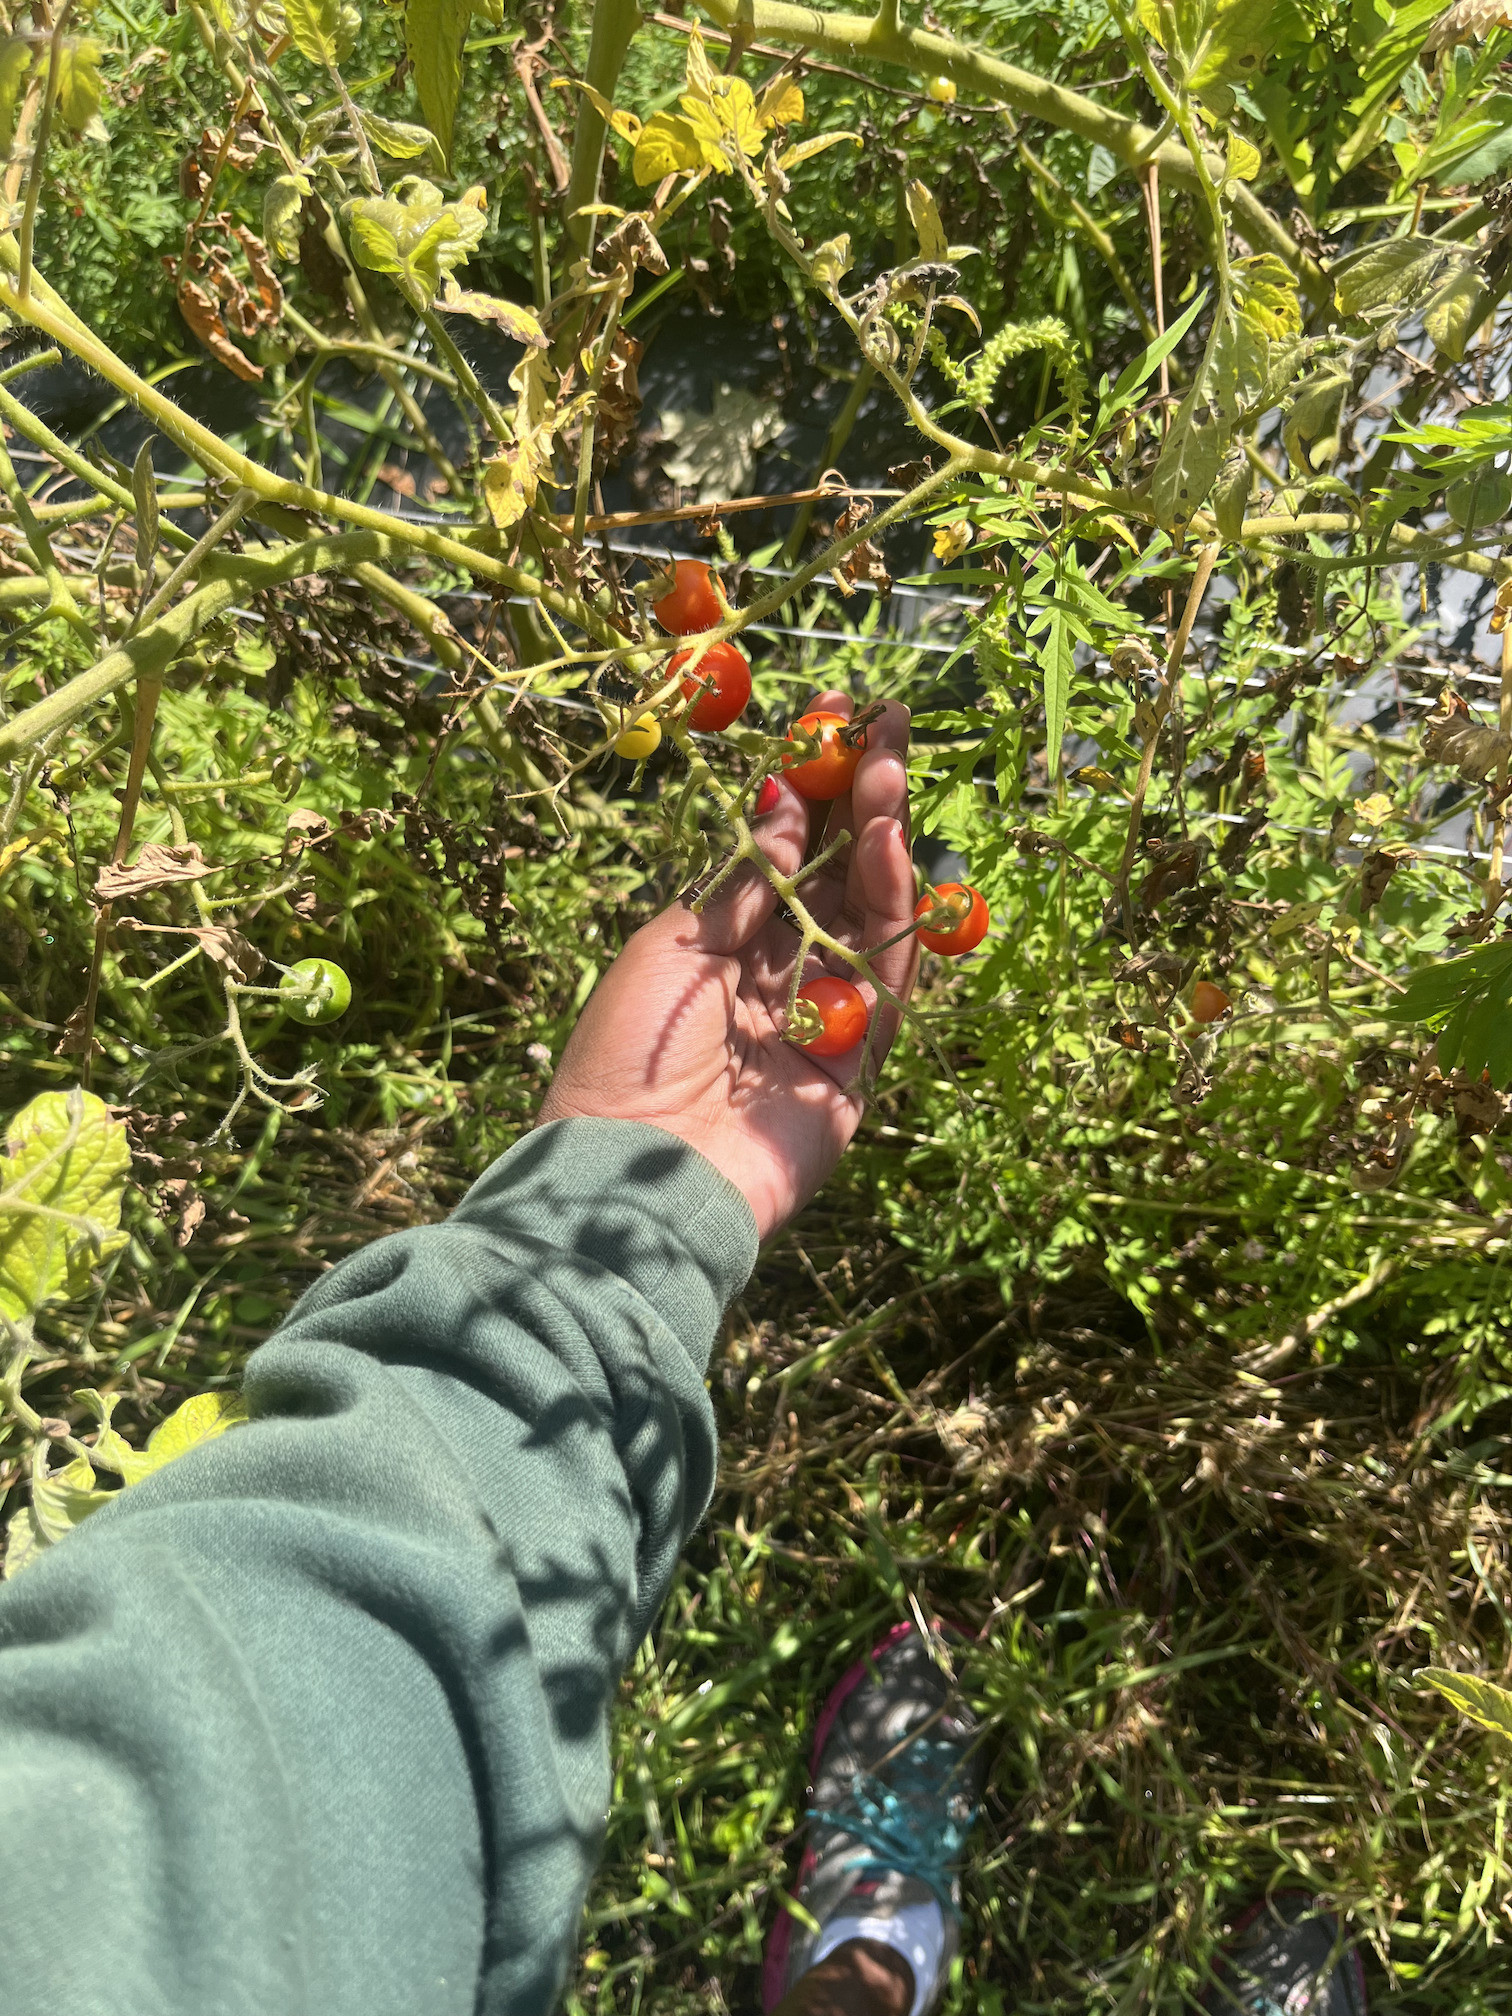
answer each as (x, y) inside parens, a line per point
(719, 702)
(831, 1016)
(693, 603)
(829, 773)
(958, 915)
(315, 991)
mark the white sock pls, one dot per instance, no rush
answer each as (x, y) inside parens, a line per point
(917, 1931)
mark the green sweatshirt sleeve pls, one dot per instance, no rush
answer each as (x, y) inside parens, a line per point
(315, 1719)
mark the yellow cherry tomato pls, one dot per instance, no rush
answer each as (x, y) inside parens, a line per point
(640, 739)
(942, 90)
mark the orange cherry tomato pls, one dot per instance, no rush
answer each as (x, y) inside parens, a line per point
(1209, 1003)
(695, 603)
(829, 773)
(839, 1011)
(965, 906)
(724, 674)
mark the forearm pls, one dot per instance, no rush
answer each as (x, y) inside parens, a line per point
(318, 1716)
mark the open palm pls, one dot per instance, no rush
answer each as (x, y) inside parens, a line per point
(685, 1029)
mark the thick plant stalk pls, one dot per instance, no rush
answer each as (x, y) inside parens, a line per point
(151, 651)
(614, 24)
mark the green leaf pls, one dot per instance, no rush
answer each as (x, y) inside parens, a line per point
(1481, 1700)
(1433, 991)
(1395, 274)
(314, 25)
(1238, 42)
(144, 495)
(400, 140)
(1148, 362)
(1231, 493)
(1456, 311)
(1188, 464)
(1056, 662)
(414, 233)
(15, 68)
(1475, 148)
(60, 1199)
(433, 36)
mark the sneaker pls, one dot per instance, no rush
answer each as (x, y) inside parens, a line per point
(894, 1794)
(1288, 1958)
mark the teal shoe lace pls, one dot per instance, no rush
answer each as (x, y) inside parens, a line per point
(906, 1825)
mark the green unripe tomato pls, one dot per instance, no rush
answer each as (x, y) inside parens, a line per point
(1479, 500)
(315, 990)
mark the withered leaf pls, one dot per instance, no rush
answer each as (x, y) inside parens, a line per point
(202, 312)
(156, 867)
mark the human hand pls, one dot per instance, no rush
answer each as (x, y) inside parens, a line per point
(685, 1029)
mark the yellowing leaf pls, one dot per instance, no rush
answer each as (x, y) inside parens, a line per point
(699, 75)
(200, 1419)
(1456, 310)
(1481, 1700)
(511, 480)
(933, 244)
(15, 67)
(1374, 810)
(61, 1181)
(80, 87)
(314, 25)
(281, 207)
(625, 124)
(516, 322)
(792, 157)
(1268, 298)
(433, 36)
(781, 104)
(735, 109)
(668, 145)
(1241, 159)
(831, 261)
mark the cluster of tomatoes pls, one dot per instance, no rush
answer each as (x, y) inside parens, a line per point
(719, 685)
(949, 918)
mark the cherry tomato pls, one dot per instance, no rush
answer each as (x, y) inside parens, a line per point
(966, 907)
(639, 740)
(315, 990)
(1209, 1003)
(767, 797)
(942, 90)
(830, 772)
(718, 704)
(695, 603)
(837, 1016)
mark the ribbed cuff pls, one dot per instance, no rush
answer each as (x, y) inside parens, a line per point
(637, 1201)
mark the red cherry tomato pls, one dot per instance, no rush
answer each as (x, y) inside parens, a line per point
(767, 797)
(966, 907)
(829, 773)
(840, 1013)
(718, 704)
(693, 604)
(1209, 1003)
